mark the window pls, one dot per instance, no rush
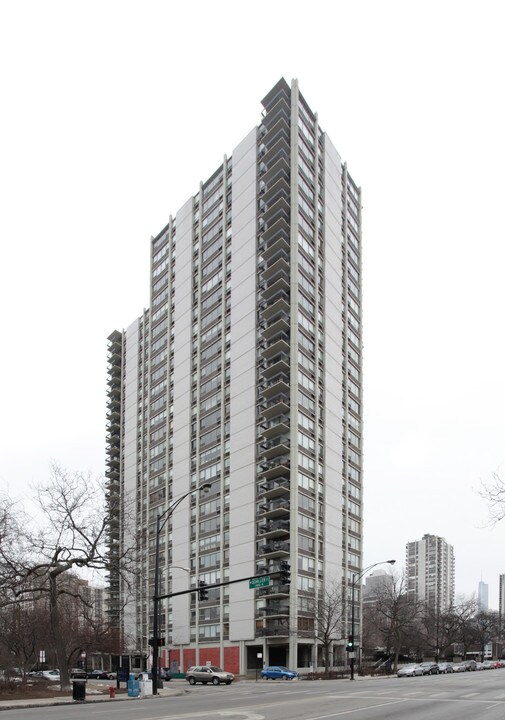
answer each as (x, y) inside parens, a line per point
(305, 502)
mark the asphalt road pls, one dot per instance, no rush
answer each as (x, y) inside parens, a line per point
(462, 696)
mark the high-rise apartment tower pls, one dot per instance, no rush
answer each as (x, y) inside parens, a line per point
(430, 572)
(246, 371)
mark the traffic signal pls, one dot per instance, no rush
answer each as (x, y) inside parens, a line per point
(161, 641)
(350, 645)
(203, 593)
(285, 576)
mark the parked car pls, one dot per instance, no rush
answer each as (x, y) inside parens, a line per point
(480, 666)
(488, 665)
(470, 664)
(78, 673)
(208, 674)
(445, 667)
(458, 667)
(410, 670)
(98, 675)
(430, 668)
(144, 676)
(48, 675)
(165, 673)
(280, 672)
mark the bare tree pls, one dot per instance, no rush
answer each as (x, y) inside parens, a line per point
(393, 615)
(326, 613)
(439, 630)
(465, 610)
(23, 634)
(72, 535)
(486, 623)
(493, 493)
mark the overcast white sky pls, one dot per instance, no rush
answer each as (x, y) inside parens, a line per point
(112, 112)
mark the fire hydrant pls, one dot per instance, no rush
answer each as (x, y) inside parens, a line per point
(112, 692)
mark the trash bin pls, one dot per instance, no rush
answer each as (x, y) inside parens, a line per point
(79, 689)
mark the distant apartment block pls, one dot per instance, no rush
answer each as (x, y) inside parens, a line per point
(430, 568)
(378, 582)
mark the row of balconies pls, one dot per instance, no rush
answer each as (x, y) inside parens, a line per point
(273, 375)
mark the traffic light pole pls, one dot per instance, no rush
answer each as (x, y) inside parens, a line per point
(156, 600)
(198, 589)
(161, 520)
(355, 577)
(351, 639)
(283, 574)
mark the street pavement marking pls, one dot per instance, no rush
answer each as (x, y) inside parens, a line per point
(468, 695)
(360, 709)
(414, 692)
(434, 695)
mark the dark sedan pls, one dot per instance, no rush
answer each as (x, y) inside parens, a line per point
(429, 668)
(98, 675)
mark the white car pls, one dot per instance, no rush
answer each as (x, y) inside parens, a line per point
(410, 670)
(49, 675)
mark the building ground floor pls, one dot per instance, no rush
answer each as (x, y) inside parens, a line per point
(246, 658)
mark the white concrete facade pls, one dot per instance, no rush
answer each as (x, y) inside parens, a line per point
(246, 373)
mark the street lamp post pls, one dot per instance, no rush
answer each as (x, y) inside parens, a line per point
(161, 521)
(355, 578)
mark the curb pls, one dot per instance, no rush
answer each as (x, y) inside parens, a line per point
(23, 705)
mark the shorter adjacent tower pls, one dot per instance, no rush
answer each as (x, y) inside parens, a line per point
(430, 571)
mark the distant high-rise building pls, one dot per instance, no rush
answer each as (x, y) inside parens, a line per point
(483, 595)
(430, 572)
(501, 604)
(246, 372)
(379, 580)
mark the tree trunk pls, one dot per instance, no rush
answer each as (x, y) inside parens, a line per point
(327, 661)
(395, 666)
(61, 655)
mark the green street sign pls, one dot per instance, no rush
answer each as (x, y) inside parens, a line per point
(259, 582)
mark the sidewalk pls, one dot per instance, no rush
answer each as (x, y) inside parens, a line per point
(47, 702)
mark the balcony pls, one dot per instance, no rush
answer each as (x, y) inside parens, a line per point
(271, 316)
(274, 446)
(275, 467)
(272, 212)
(277, 127)
(276, 426)
(276, 344)
(274, 591)
(273, 610)
(278, 270)
(274, 529)
(280, 111)
(274, 508)
(275, 385)
(269, 307)
(274, 190)
(277, 405)
(274, 549)
(270, 289)
(275, 151)
(277, 487)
